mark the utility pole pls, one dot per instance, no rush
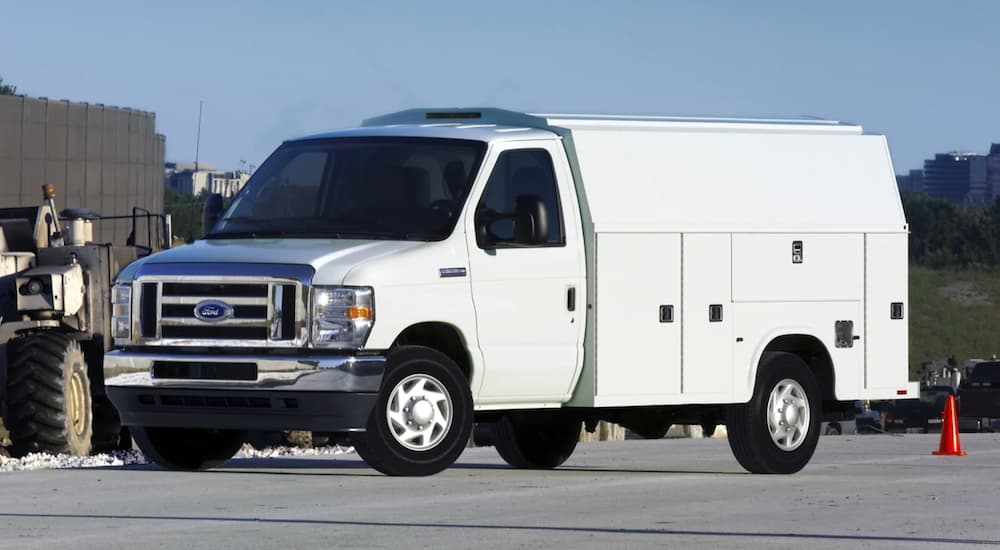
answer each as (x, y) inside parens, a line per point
(197, 146)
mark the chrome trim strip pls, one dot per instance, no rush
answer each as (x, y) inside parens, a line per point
(159, 310)
(195, 300)
(227, 343)
(230, 322)
(274, 311)
(315, 373)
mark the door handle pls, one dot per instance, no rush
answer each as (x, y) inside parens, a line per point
(571, 298)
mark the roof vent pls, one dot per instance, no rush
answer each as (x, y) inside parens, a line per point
(453, 115)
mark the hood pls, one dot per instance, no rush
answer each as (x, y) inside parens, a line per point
(331, 258)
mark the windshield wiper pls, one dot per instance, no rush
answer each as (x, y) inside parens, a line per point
(232, 235)
(360, 235)
(255, 234)
(239, 219)
(381, 235)
(423, 237)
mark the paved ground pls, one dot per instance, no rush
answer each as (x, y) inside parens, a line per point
(860, 491)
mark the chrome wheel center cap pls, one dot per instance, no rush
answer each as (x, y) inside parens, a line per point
(422, 411)
(791, 415)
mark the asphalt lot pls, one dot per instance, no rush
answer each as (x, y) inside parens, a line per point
(872, 491)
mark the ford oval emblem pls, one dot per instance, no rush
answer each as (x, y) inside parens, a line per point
(213, 311)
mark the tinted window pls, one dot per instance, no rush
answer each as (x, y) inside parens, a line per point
(521, 200)
(985, 372)
(292, 190)
(371, 188)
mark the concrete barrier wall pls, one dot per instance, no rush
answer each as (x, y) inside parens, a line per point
(107, 159)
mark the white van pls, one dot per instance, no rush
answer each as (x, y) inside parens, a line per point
(433, 268)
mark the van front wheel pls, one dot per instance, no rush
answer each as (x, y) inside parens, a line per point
(187, 448)
(422, 417)
(777, 431)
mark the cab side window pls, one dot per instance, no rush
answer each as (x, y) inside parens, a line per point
(520, 206)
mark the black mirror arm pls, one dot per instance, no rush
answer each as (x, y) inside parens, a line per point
(484, 217)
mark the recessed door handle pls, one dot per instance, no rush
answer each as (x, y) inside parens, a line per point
(571, 298)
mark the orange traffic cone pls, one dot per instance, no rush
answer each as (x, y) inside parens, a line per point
(949, 431)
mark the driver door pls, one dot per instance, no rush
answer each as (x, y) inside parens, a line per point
(526, 260)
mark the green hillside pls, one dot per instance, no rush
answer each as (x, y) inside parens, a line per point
(953, 313)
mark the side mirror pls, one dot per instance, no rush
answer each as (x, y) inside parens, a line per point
(484, 238)
(211, 213)
(531, 221)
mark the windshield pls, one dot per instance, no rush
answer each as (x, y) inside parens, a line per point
(356, 188)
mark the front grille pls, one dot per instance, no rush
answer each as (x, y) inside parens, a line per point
(253, 313)
(148, 310)
(215, 290)
(217, 333)
(241, 312)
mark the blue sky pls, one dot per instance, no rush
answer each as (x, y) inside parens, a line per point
(923, 73)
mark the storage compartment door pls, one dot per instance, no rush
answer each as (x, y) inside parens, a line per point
(638, 317)
(708, 315)
(886, 312)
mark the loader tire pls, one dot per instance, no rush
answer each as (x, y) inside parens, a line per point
(48, 396)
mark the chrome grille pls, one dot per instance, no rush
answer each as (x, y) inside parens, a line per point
(250, 320)
(263, 313)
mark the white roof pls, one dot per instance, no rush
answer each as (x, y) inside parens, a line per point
(675, 173)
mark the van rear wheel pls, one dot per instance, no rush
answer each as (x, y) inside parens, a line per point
(777, 431)
(524, 442)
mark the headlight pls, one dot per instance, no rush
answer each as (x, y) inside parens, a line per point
(342, 317)
(121, 313)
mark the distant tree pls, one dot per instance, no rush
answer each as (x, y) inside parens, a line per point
(185, 213)
(946, 235)
(7, 89)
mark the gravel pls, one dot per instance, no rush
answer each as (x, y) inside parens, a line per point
(45, 461)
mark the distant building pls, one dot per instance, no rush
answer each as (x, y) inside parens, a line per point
(104, 158)
(911, 183)
(957, 177)
(993, 173)
(189, 179)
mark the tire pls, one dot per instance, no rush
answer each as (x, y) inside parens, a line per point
(422, 418)
(187, 448)
(108, 432)
(524, 442)
(48, 396)
(833, 428)
(262, 439)
(708, 428)
(785, 377)
(482, 434)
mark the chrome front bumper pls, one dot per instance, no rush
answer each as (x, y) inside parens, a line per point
(319, 393)
(285, 373)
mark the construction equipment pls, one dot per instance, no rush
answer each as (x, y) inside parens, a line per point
(55, 324)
